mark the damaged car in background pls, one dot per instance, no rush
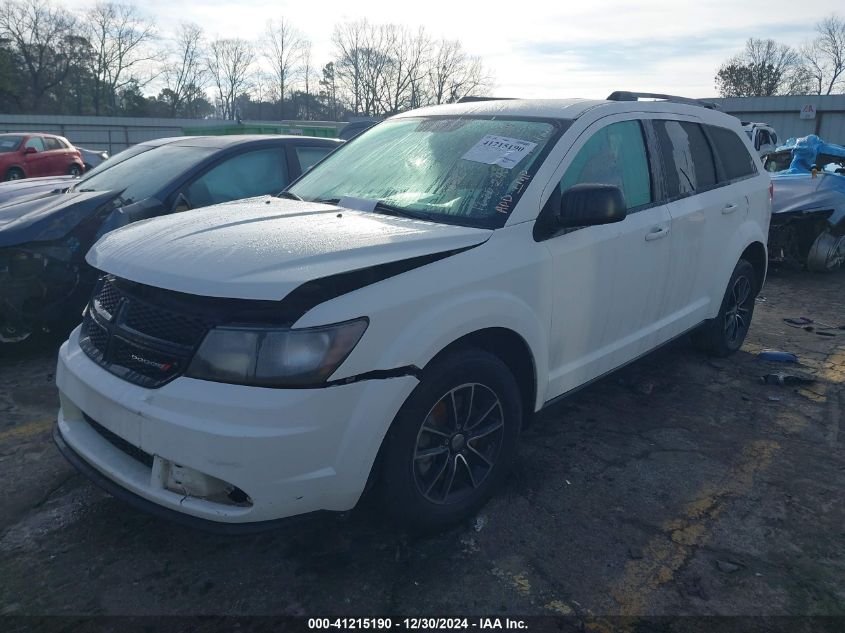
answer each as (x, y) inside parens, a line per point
(16, 189)
(808, 211)
(44, 280)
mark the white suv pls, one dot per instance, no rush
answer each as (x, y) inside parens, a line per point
(398, 314)
(763, 137)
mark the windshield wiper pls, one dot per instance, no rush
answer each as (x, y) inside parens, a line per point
(289, 195)
(389, 209)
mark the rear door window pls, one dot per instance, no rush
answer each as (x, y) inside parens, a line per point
(246, 175)
(735, 159)
(52, 143)
(688, 164)
(615, 155)
(36, 142)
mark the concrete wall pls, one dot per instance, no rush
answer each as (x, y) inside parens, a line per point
(782, 113)
(117, 133)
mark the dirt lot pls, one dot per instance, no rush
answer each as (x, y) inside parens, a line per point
(679, 485)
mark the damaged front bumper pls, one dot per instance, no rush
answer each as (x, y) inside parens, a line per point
(222, 454)
(807, 239)
(38, 286)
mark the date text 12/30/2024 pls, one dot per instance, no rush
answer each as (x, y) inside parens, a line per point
(413, 624)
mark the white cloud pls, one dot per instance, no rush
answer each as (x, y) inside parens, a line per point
(693, 38)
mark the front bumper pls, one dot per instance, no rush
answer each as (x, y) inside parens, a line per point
(37, 290)
(292, 451)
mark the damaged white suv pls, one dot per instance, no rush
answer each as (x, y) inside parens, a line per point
(400, 312)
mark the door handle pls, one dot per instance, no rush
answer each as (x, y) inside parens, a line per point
(656, 233)
(729, 208)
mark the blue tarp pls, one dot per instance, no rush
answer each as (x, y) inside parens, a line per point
(804, 151)
(796, 191)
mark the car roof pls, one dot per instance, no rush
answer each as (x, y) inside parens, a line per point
(50, 134)
(547, 108)
(219, 142)
(566, 108)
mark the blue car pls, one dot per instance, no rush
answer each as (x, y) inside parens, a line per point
(44, 279)
(808, 208)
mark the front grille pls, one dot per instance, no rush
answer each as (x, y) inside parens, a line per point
(134, 337)
(170, 326)
(108, 297)
(119, 443)
(148, 336)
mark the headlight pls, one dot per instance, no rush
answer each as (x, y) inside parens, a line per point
(269, 357)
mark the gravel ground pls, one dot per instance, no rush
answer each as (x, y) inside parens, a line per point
(679, 485)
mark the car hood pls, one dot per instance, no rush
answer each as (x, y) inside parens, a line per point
(263, 248)
(16, 189)
(38, 218)
(801, 193)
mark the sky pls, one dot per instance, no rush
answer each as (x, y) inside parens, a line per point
(541, 49)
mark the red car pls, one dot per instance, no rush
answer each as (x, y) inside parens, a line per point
(24, 155)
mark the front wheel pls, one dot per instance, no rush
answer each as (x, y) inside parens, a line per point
(14, 174)
(725, 334)
(453, 441)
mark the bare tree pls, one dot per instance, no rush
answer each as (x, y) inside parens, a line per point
(454, 74)
(283, 47)
(230, 64)
(763, 69)
(824, 56)
(348, 39)
(119, 35)
(407, 54)
(307, 78)
(185, 73)
(43, 36)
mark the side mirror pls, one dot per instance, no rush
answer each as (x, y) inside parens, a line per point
(30, 150)
(591, 204)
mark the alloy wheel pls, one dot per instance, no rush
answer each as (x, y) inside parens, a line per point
(458, 443)
(738, 314)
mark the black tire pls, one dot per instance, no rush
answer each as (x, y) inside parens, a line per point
(75, 170)
(725, 334)
(475, 379)
(14, 173)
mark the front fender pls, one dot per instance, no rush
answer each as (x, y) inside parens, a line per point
(417, 314)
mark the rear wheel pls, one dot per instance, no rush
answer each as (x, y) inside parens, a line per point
(725, 334)
(15, 173)
(453, 441)
(75, 170)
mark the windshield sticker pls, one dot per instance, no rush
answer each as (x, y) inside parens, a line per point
(499, 150)
(523, 178)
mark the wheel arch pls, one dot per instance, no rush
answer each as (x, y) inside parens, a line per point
(755, 254)
(512, 349)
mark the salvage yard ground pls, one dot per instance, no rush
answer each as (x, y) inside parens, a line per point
(679, 485)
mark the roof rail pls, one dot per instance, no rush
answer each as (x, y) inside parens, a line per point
(469, 99)
(623, 95)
